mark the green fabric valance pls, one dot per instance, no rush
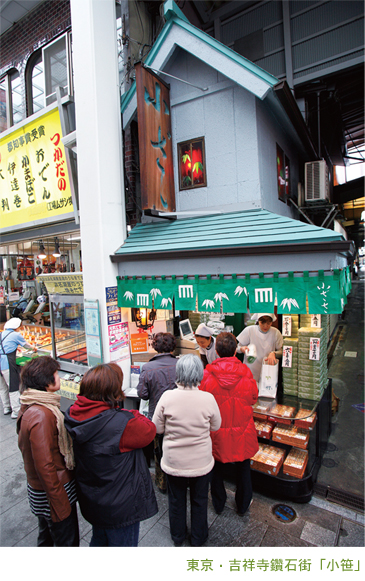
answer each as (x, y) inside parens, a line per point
(325, 293)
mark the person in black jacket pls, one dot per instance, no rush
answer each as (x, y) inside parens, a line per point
(114, 484)
(158, 376)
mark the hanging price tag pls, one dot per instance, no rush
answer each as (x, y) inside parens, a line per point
(316, 321)
(286, 326)
(287, 356)
(314, 349)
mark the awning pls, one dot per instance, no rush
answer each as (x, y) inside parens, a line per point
(229, 259)
(248, 233)
(293, 295)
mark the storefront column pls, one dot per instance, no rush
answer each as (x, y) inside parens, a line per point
(99, 147)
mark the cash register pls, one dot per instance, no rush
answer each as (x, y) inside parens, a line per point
(186, 343)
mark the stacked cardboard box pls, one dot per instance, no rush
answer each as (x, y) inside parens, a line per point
(290, 374)
(268, 459)
(306, 321)
(312, 374)
(295, 463)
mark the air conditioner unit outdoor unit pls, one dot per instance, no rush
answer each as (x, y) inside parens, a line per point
(316, 181)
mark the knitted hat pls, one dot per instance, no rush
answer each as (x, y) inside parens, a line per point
(204, 331)
(13, 323)
(258, 316)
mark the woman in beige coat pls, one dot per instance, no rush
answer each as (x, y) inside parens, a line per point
(186, 416)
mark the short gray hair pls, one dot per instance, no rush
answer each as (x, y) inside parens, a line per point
(189, 371)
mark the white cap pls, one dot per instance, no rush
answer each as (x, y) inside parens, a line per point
(13, 323)
(258, 316)
(204, 331)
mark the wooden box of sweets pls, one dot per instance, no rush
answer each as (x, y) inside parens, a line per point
(295, 463)
(291, 435)
(268, 459)
(304, 420)
(263, 429)
(282, 414)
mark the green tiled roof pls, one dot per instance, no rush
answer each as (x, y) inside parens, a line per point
(238, 229)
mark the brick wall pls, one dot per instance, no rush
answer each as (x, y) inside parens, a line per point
(38, 28)
(42, 25)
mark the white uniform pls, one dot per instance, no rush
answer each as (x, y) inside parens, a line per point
(265, 343)
(209, 353)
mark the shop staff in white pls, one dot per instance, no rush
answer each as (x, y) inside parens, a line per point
(267, 339)
(206, 342)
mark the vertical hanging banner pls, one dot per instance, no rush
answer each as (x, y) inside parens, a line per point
(262, 295)
(291, 295)
(34, 181)
(155, 141)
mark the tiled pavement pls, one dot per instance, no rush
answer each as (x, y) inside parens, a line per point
(318, 523)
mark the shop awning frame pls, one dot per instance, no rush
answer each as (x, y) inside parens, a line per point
(247, 233)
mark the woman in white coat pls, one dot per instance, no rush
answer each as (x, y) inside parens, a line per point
(186, 416)
(267, 339)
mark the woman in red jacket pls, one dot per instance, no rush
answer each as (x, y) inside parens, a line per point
(235, 390)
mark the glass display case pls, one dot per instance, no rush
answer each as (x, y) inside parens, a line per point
(293, 434)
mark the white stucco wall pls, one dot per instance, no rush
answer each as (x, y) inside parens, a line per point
(225, 116)
(240, 134)
(270, 133)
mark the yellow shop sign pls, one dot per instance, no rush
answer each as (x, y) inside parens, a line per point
(34, 181)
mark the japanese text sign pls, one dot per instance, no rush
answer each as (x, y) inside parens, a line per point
(155, 141)
(63, 284)
(34, 181)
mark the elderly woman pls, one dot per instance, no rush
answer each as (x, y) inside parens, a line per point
(186, 416)
(114, 485)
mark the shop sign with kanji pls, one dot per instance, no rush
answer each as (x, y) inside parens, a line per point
(63, 284)
(34, 181)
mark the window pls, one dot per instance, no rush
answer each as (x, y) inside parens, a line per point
(10, 100)
(35, 83)
(283, 174)
(57, 72)
(192, 171)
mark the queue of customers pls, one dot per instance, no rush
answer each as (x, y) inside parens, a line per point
(94, 454)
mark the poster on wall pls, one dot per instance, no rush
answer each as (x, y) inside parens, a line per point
(118, 334)
(118, 341)
(93, 332)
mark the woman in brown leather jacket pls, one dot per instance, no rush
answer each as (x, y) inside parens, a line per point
(47, 454)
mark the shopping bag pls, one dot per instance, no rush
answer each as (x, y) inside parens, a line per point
(268, 383)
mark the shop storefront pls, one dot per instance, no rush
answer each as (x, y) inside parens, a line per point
(212, 270)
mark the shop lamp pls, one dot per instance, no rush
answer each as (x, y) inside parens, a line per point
(57, 251)
(42, 251)
(143, 319)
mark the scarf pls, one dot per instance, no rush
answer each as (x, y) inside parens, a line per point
(52, 401)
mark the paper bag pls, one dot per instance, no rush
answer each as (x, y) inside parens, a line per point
(268, 383)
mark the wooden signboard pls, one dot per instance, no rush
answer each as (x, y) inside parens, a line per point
(155, 142)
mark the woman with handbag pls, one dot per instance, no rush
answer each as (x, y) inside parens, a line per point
(186, 416)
